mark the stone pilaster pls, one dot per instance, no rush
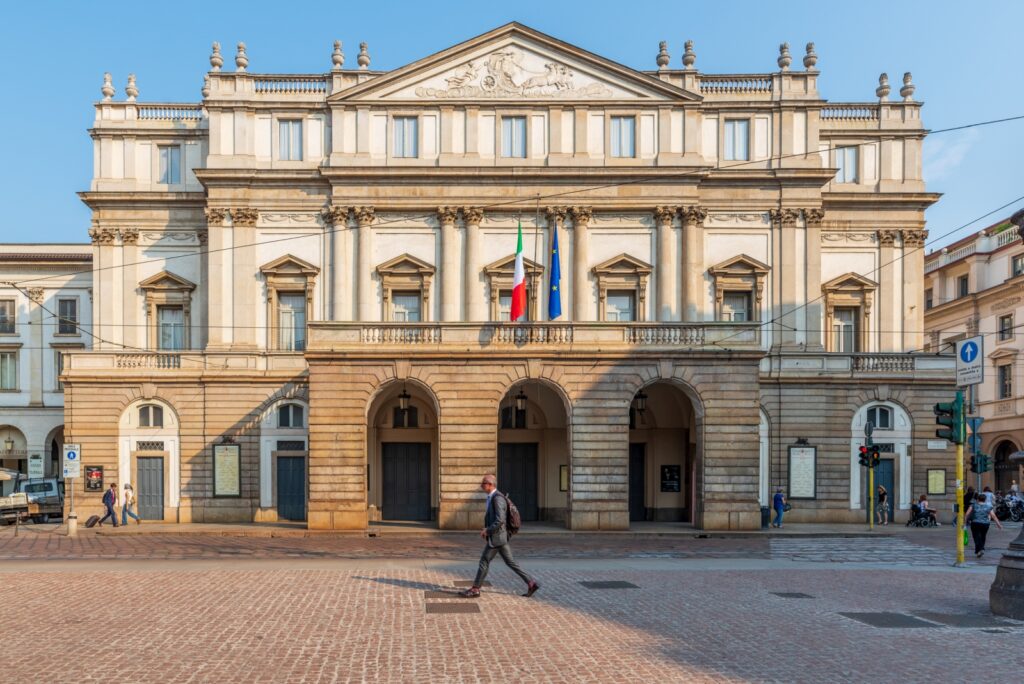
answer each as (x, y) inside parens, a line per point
(888, 288)
(246, 285)
(134, 333)
(582, 289)
(665, 266)
(555, 217)
(476, 308)
(815, 335)
(693, 256)
(913, 288)
(786, 298)
(221, 288)
(36, 298)
(451, 306)
(336, 223)
(364, 282)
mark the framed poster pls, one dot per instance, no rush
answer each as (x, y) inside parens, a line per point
(94, 478)
(803, 472)
(227, 472)
(936, 480)
(563, 478)
(671, 478)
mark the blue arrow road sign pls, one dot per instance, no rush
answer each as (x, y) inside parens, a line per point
(969, 361)
(969, 351)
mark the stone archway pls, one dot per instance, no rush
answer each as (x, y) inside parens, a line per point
(1004, 471)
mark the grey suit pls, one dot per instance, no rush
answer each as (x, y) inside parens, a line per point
(497, 540)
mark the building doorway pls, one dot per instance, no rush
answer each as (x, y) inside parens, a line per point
(662, 465)
(291, 487)
(517, 473)
(637, 478)
(885, 475)
(1004, 470)
(406, 481)
(150, 487)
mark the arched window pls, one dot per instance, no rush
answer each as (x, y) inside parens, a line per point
(290, 416)
(881, 417)
(151, 416)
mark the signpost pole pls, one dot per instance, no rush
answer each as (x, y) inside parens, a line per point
(960, 506)
(871, 498)
(72, 468)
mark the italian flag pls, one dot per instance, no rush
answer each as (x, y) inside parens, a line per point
(519, 281)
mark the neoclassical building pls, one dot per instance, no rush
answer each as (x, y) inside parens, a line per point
(302, 286)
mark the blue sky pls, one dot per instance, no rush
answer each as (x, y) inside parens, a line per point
(964, 57)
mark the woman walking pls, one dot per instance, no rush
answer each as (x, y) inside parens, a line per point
(883, 506)
(981, 515)
(129, 501)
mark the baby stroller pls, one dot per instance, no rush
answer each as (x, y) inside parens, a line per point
(920, 517)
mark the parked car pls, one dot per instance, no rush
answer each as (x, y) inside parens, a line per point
(45, 497)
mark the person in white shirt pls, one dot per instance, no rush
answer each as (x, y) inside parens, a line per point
(990, 498)
(127, 501)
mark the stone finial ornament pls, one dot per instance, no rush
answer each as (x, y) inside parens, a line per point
(811, 58)
(108, 87)
(241, 59)
(337, 57)
(785, 59)
(131, 90)
(882, 91)
(689, 56)
(364, 57)
(907, 91)
(206, 86)
(216, 61)
(663, 57)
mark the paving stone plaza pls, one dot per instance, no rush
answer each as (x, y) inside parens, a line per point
(665, 608)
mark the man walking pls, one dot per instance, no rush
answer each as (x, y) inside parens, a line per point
(110, 501)
(496, 533)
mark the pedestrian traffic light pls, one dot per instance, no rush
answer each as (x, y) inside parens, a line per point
(864, 456)
(951, 415)
(876, 458)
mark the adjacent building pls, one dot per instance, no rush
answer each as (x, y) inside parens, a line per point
(975, 286)
(302, 285)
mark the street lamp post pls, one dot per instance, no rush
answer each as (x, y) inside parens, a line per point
(1006, 597)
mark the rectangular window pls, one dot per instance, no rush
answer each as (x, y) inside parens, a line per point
(844, 329)
(290, 140)
(7, 317)
(846, 162)
(928, 299)
(1018, 265)
(67, 312)
(513, 136)
(409, 418)
(737, 140)
(963, 286)
(623, 136)
(406, 136)
(291, 322)
(1006, 327)
(59, 365)
(406, 307)
(170, 164)
(736, 307)
(505, 306)
(1006, 381)
(619, 306)
(8, 370)
(170, 321)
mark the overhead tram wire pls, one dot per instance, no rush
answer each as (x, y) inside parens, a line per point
(519, 200)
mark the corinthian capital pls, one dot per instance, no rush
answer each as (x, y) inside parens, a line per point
(555, 215)
(472, 215)
(244, 217)
(694, 215)
(447, 215)
(814, 217)
(663, 215)
(334, 215)
(887, 238)
(36, 294)
(784, 217)
(914, 238)
(130, 236)
(581, 216)
(203, 236)
(364, 215)
(216, 216)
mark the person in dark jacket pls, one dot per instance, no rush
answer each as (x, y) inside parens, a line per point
(110, 501)
(496, 534)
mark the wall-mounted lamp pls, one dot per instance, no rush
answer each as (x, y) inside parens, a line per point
(9, 443)
(403, 400)
(641, 401)
(521, 401)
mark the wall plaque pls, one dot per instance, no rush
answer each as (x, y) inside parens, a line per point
(936, 480)
(563, 478)
(671, 478)
(803, 472)
(94, 478)
(227, 475)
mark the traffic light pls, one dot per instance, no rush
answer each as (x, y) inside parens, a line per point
(984, 465)
(864, 456)
(974, 464)
(876, 458)
(951, 415)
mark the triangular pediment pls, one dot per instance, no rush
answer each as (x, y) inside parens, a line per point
(623, 263)
(405, 263)
(515, 63)
(738, 265)
(508, 264)
(289, 265)
(165, 280)
(1004, 353)
(850, 281)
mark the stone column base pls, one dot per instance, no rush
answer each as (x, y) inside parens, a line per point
(598, 520)
(1006, 597)
(740, 516)
(337, 520)
(460, 515)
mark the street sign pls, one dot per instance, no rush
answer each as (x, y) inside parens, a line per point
(35, 466)
(974, 443)
(72, 460)
(974, 422)
(869, 427)
(970, 369)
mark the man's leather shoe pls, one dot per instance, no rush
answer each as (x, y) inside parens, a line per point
(531, 589)
(472, 592)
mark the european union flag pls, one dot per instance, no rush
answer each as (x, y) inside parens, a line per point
(554, 293)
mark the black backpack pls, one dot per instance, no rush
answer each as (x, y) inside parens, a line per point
(513, 521)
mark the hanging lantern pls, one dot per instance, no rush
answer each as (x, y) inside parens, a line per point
(521, 401)
(403, 400)
(641, 401)
(9, 443)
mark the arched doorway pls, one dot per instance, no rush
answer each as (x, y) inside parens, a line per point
(662, 455)
(55, 453)
(533, 451)
(149, 457)
(284, 451)
(1004, 470)
(402, 454)
(893, 435)
(13, 454)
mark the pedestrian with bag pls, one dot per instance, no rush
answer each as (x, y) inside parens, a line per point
(501, 521)
(883, 506)
(779, 504)
(981, 515)
(110, 502)
(126, 509)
